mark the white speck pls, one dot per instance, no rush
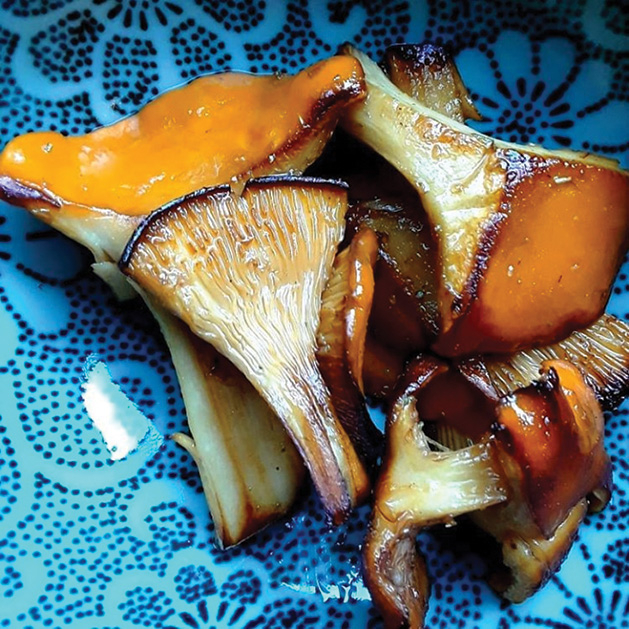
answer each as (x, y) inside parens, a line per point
(119, 421)
(559, 180)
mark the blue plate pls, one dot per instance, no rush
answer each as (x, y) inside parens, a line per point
(95, 538)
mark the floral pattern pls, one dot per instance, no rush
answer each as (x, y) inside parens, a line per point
(542, 92)
(129, 543)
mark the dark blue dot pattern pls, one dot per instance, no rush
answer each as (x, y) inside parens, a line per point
(88, 541)
(387, 22)
(9, 474)
(287, 612)
(292, 47)
(237, 16)
(4, 239)
(144, 607)
(64, 51)
(139, 14)
(616, 17)
(198, 51)
(27, 8)
(194, 583)
(130, 73)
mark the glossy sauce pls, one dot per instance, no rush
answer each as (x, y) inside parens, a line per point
(214, 129)
(554, 431)
(552, 261)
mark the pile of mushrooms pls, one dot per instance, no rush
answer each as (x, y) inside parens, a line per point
(310, 242)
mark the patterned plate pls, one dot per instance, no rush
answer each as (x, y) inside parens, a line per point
(95, 539)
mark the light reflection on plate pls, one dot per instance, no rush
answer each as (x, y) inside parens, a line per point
(123, 427)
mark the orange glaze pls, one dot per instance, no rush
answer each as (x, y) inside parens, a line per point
(363, 254)
(552, 263)
(554, 432)
(346, 304)
(214, 129)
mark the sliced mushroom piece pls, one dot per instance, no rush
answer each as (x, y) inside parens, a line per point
(533, 427)
(548, 439)
(404, 272)
(525, 480)
(601, 351)
(427, 73)
(345, 308)
(405, 279)
(406, 289)
(529, 559)
(229, 424)
(246, 273)
(528, 240)
(97, 188)
(381, 370)
(218, 128)
(250, 470)
(419, 487)
(536, 429)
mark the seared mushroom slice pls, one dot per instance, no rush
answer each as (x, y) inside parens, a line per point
(381, 199)
(419, 487)
(97, 188)
(246, 273)
(406, 289)
(404, 272)
(218, 128)
(534, 427)
(427, 73)
(345, 309)
(529, 240)
(250, 470)
(601, 351)
(551, 434)
(525, 480)
(527, 559)
(548, 437)
(243, 498)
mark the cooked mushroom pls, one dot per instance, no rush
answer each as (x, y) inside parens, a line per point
(601, 351)
(427, 73)
(405, 274)
(250, 470)
(96, 190)
(218, 128)
(525, 480)
(382, 368)
(243, 498)
(419, 487)
(345, 309)
(406, 290)
(381, 199)
(246, 273)
(527, 559)
(538, 426)
(528, 240)
(534, 426)
(549, 440)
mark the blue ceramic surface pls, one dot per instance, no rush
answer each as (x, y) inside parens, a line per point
(94, 538)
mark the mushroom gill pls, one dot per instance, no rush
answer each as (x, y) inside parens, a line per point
(246, 273)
